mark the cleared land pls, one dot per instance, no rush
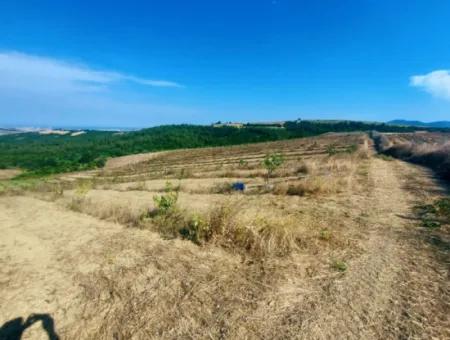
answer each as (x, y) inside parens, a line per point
(332, 245)
(9, 173)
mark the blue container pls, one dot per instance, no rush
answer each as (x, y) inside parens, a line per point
(238, 186)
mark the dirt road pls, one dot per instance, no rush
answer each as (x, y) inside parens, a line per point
(398, 288)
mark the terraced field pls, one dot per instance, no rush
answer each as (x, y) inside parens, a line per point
(328, 245)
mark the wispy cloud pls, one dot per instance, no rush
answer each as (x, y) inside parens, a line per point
(436, 83)
(37, 74)
(46, 91)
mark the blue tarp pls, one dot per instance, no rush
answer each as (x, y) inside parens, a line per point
(238, 186)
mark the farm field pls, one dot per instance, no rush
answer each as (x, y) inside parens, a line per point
(333, 242)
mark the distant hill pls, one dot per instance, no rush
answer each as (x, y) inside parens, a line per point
(7, 131)
(48, 153)
(417, 123)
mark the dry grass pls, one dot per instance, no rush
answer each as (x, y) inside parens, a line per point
(117, 213)
(224, 222)
(304, 255)
(432, 150)
(9, 173)
(174, 292)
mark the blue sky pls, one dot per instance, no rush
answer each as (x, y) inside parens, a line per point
(145, 63)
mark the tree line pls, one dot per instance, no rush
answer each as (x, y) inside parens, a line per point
(49, 154)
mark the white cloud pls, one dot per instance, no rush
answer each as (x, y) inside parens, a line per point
(43, 91)
(437, 83)
(40, 74)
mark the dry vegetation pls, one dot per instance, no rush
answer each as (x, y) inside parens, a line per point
(9, 173)
(313, 249)
(429, 149)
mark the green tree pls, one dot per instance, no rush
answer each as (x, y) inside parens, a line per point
(167, 203)
(271, 163)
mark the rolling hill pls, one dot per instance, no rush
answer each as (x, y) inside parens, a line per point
(439, 124)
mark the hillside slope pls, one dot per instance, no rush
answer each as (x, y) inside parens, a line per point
(97, 278)
(439, 124)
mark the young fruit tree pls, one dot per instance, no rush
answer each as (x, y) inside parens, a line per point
(271, 163)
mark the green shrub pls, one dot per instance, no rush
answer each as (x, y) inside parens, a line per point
(243, 163)
(272, 162)
(430, 224)
(83, 187)
(167, 202)
(443, 208)
(435, 214)
(325, 235)
(196, 229)
(339, 265)
(331, 150)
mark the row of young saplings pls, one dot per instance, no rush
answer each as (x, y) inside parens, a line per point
(220, 225)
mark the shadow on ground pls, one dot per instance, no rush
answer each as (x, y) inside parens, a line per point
(14, 329)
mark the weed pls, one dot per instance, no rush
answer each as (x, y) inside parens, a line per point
(426, 223)
(167, 202)
(83, 188)
(339, 265)
(196, 229)
(325, 235)
(243, 163)
(443, 208)
(435, 214)
(331, 150)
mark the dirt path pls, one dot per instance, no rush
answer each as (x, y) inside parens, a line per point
(398, 288)
(41, 247)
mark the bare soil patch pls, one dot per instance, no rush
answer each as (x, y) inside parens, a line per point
(9, 173)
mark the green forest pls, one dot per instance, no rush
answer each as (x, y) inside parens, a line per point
(48, 154)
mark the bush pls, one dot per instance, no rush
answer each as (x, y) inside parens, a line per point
(434, 156)
(167, 202)
(325, 235)
(331, 150)
(435, 214)
(196, 229)
(443, 208)
(339, 265)
(272, 162)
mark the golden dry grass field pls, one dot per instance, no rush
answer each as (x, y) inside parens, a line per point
(333, 244)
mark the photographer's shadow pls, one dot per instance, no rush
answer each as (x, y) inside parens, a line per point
(13, 329)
